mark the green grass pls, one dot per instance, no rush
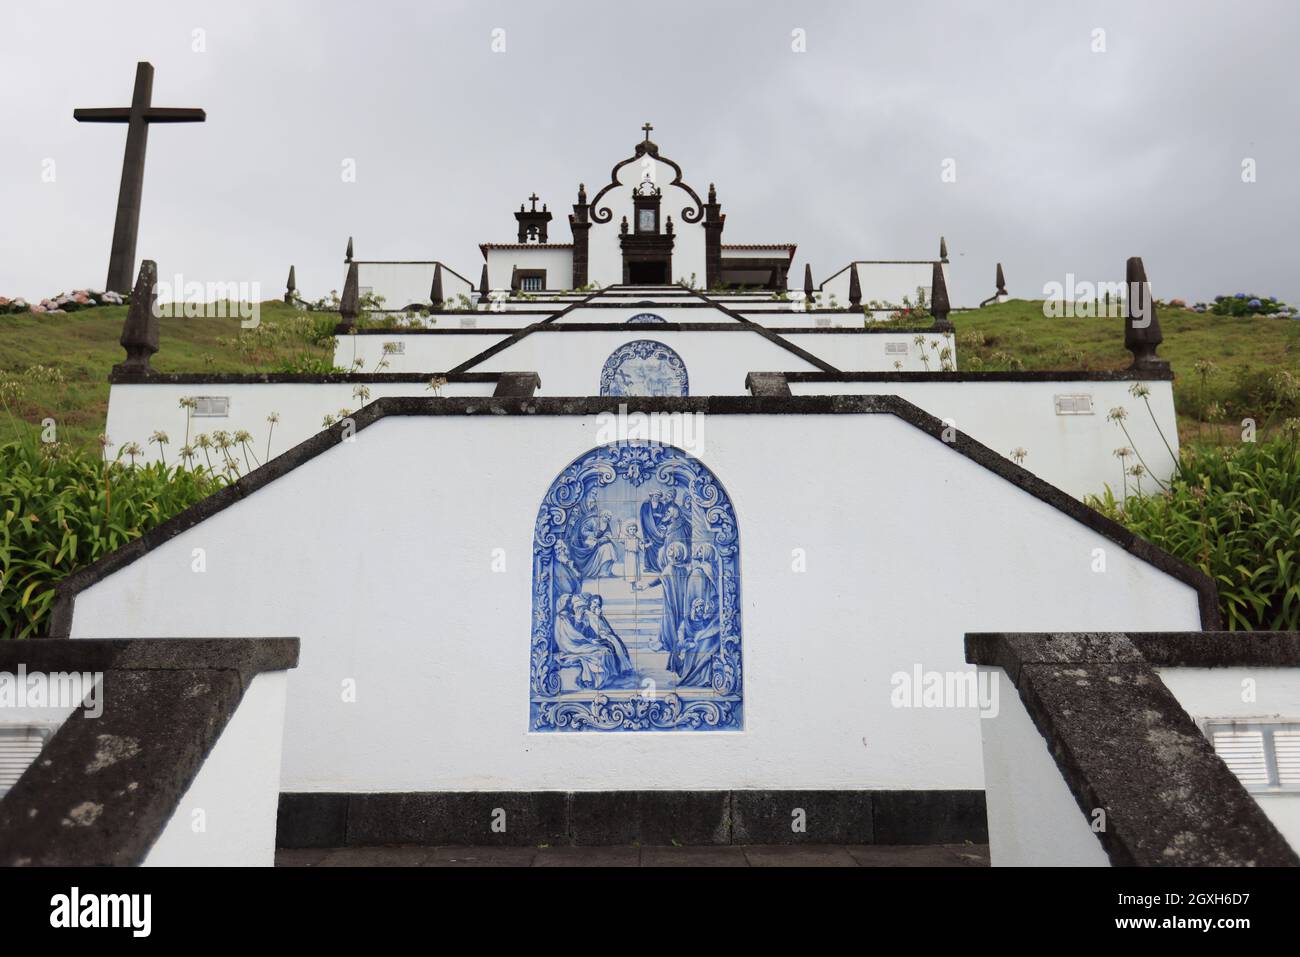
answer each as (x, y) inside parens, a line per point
(83, 346)
(1247, 353)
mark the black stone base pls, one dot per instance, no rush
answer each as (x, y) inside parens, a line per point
(631, 817)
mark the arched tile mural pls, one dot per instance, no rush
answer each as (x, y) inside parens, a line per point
(636, 596)
(644, 367)
(649, 317)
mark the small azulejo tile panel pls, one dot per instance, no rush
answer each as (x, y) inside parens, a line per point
(636, 596)
(644, 367)
(648, 317)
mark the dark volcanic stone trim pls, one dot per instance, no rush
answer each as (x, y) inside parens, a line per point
(462, 406)
(248, 656)
(1058, 375)
(286, 378)
(1160, 649)
(103, 789)
(518, 384)
(683, 327)
(1123, 743)
(767, 383)
(608, 818)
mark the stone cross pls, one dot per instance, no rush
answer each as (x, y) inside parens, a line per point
(137, 116)
(647, 127)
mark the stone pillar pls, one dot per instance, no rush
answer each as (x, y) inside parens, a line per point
(714, 221)
(580, 224)
(140, 331)
(1141, 327)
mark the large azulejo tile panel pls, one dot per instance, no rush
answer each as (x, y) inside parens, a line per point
(636, 596)
(644, 367)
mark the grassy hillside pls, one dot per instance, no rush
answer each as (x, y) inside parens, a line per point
(57, 366)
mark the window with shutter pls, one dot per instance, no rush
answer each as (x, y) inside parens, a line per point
(19, 746)
(1265, 755)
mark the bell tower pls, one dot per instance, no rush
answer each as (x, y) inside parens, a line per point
(532, 222)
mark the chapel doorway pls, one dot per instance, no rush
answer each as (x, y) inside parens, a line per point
(647, 273)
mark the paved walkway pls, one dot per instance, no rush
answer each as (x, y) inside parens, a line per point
(803, 855)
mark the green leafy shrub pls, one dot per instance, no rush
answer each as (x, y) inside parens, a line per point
(64, 508)
(1234, 512)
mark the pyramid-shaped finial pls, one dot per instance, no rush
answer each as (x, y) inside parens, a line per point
(1001, 281)
(435, 291)
(483, 288)
(348, 256)
(855, 286)
(350, 304)
(943, 250)
(808, 291)
(939, 307)
(290, 287)
(140, 331)
(1141, 327)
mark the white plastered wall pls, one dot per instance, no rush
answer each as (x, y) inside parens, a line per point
(908, 545)
(226, 817)
(886, 282)
(1073, 452)
(403, 283)
(135, 412)
(556, 260)
(1034, 820)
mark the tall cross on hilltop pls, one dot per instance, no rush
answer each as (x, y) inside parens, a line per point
(137, 116)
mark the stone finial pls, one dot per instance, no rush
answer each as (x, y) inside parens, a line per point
(515, 281)
(1001, 281)
(435, 291)
(943, 250)
(140, 331)
(622, 227)
(1141, 327)
(808, 291)
(483, 288)
(290, 288)
(668, 227)
(939, 307)
(348, 257)
(582, 194)
(713, 194)
(350, 304)
(855, 286)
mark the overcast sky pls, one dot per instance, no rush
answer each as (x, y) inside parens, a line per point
(1067, 160)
